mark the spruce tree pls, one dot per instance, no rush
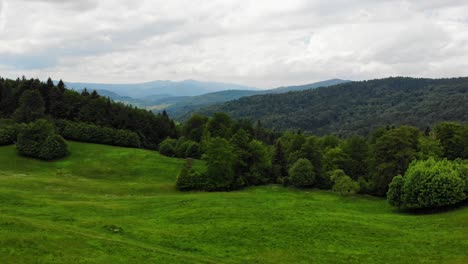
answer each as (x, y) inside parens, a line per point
(31, 108)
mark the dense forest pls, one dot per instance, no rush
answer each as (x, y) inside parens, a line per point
(25, 100)
(356, 107)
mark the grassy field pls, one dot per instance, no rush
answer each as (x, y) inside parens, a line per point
(117, 205)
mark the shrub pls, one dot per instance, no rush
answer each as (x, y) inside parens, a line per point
(39, 140)
(167, 147)
(97, 134)
(428, 184)
(188, 179)
(54, 147)
(8, 135)
(343, 183)
(395, 191)
(432, 183)
(302, 174)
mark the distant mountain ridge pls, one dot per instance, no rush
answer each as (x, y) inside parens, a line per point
(179, 106)
(156, 88)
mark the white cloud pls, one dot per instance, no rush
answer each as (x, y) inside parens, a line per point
(263, 43)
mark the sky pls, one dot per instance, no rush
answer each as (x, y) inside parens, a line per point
(261, 43)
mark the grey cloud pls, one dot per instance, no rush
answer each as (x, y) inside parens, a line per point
(76, 5)
(264, 43)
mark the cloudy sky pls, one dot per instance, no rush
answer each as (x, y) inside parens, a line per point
(263, 43)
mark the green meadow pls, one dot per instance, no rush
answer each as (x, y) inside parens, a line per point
(107, 204)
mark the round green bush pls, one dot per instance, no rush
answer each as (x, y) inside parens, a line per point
(39, 140)
(167, 147)
(431, 183)
(343, 184)
(428, 184)
(302, 174)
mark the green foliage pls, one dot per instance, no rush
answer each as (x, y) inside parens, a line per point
(343, 184)
(167, 147)
(8, 135)
(31, 107)
(39, 140)
(431, 183)
(395, 191)
(219, 125)
(192, 150)
(302, 174)
(453, 139)
(193, 128)
(391, 154)
(188, 179)
(429, 148)
(356, 149)
(220, 159)
(356, 107)
(280, 163)
(259, 164)
(97, 134)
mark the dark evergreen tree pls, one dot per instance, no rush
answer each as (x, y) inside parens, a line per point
(31, 108)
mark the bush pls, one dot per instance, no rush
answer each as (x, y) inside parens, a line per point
(188, 179)
(167, 147)
(302, 174)
(96, 134)
(39, 140)
(54, 147)
(343, 183)
(395, 191)
(429, 184)
(8, 135)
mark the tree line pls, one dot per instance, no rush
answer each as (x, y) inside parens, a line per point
(237, 157)
(98, 118)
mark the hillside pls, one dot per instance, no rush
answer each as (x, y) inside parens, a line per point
(106, 204)
(179, 106)
(357, 107)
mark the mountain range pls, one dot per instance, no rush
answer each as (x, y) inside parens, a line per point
(160, 88)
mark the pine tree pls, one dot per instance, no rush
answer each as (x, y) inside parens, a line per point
(31, 108)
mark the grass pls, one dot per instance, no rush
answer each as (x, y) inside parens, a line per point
(118, 205)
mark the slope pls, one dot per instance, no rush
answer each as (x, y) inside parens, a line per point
(117, 205)
(357, 107)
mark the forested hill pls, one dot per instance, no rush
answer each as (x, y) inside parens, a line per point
(86, 115)
(357, 107)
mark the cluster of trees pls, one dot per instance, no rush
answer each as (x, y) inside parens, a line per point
(236, 153)
(356, 107)
(236, 157)
(26, 100)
